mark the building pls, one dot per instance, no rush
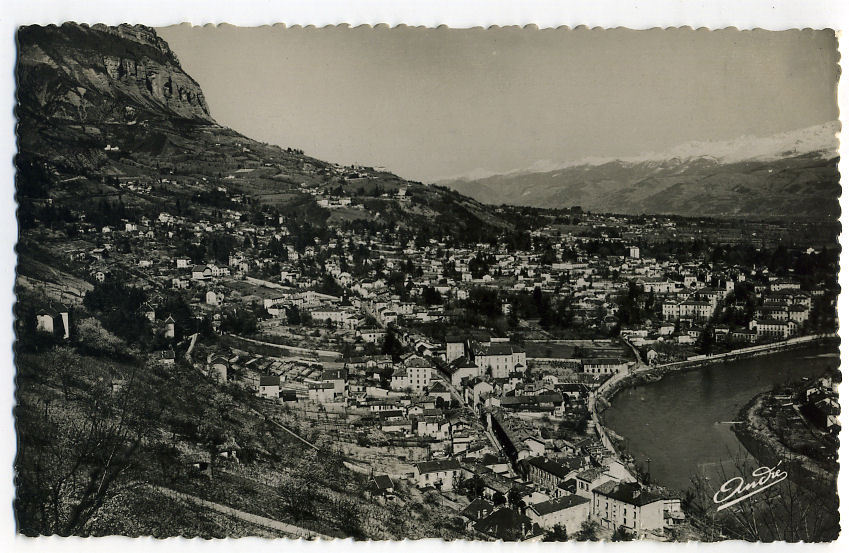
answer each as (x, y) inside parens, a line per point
(433, 427)
(371, 335)
(414, 374)
(455, 347)
(201, 272)
(477, 509)
(604, 366)
(499, 358)
(547, 473)
(212, 298)
(339, 379)
(588, 480)
(462, 368)
(321, 392)
(628, 506)
(269, 387)
(53, 320)
(439, 390)
(773, 328)
(505, 524)
(381, 486)
(569, 511)
(440, 474)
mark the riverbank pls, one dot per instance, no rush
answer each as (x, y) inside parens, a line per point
(648, 374)
(758, 436)
(601, 399)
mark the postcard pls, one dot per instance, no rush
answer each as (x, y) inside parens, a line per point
(391, 283)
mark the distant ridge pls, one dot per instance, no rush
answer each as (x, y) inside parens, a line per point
(789, 174)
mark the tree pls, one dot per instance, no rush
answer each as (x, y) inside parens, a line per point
(588, 532)
(514, 499)
(621, 534)
(498, 498)
(474, 486)
(70, 462)
(96, 339)
(391, 345)
(431, 296)
(558, 533)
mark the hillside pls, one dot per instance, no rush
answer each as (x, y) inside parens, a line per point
(127, 433)
(103, 107)
(793, 184)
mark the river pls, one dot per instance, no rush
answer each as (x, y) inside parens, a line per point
(681, 422)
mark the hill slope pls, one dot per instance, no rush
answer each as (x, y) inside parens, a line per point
(101, 106)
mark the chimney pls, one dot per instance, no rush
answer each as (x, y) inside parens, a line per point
(636, 493)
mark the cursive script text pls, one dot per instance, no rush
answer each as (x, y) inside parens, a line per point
(736, 489)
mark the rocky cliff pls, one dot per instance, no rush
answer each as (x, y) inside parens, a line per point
(103, 74)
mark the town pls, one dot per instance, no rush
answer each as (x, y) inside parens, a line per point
(221, 337)
(480, 362)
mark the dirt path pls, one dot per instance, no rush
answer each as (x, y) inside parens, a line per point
(289, 529)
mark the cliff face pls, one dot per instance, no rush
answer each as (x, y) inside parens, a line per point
(103, 74)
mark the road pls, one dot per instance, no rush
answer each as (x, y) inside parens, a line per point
(456, 395)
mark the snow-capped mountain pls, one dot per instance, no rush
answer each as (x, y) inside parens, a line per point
(787, 174)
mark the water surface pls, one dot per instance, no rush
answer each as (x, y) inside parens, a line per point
(681, 422)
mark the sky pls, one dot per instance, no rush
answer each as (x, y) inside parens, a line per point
(437, 103)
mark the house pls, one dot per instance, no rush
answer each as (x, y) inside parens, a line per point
(569, 511)
(462, 368)
(455, 347)
(371, 335)
(626, 505)
(219, 367)
(321, 392)
(505, 524)
(212, 298)
(439, 390)
(478, 509)
(547, 473)
(53, 319)
(169, 327)
(773, 328)
(588, 480)
(269, 387)
(440, 474)
(499, 358)
(381, 486)
(433, 427)
(339, 379)
(167, 357)
(414, 374)
(604, 365)
(288, 395)
(201, 272)
(149, 312)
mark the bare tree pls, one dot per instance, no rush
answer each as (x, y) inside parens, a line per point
(71, 457)
(803, 507)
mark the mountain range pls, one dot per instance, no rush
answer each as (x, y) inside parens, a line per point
(791, 174)
(99, 105)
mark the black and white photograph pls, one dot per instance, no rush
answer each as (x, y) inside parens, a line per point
(407, 282)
